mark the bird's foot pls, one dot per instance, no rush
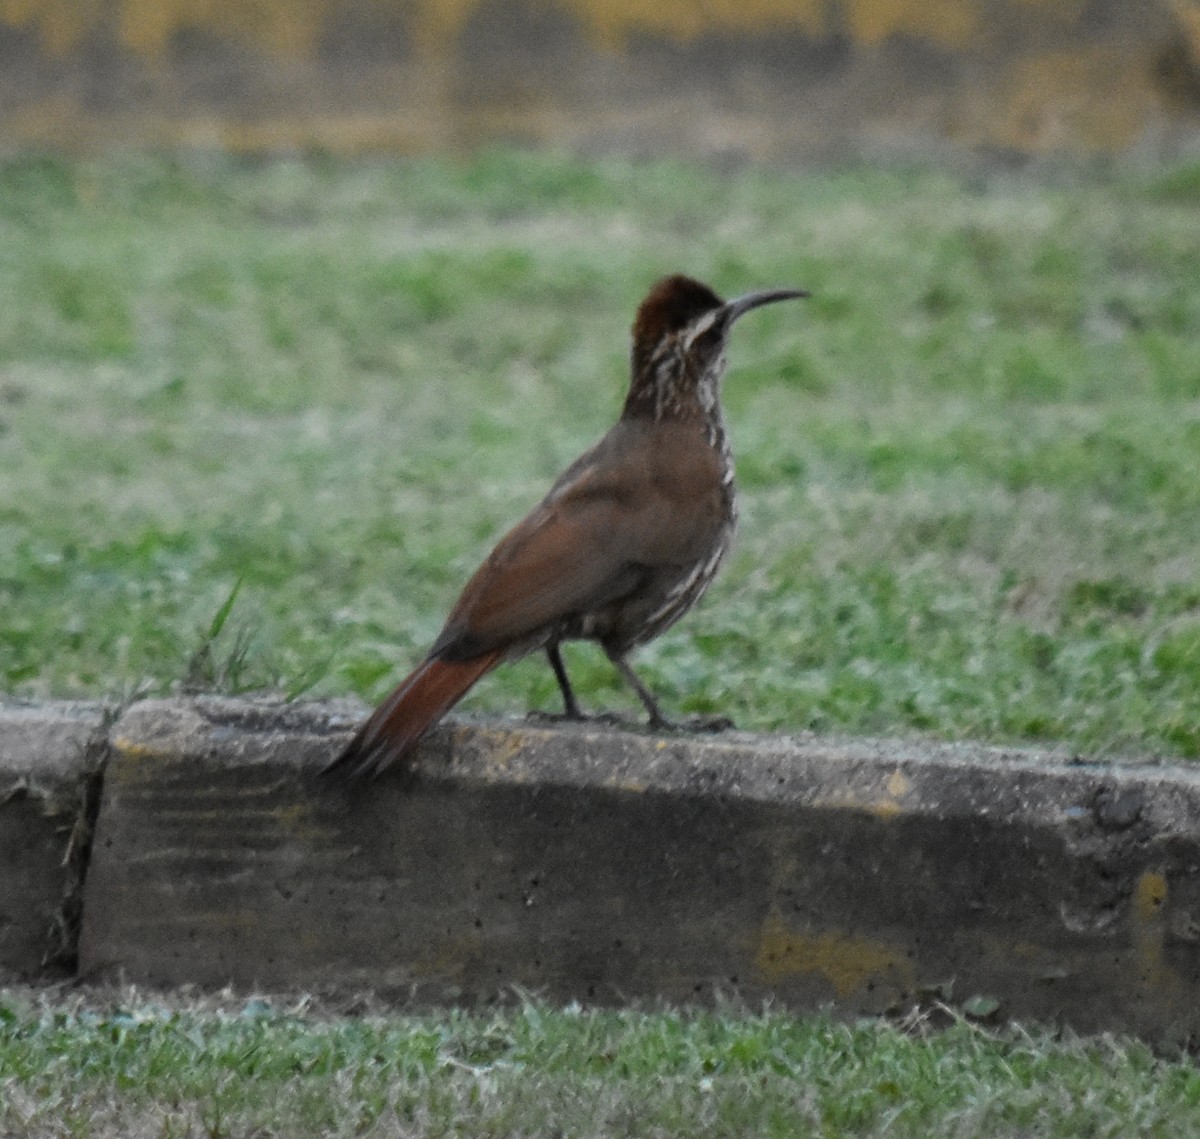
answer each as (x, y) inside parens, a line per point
(708, 724)
(609, 718)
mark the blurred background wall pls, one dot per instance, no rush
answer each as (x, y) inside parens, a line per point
(784, 80)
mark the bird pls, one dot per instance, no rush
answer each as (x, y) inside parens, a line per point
(627, 540)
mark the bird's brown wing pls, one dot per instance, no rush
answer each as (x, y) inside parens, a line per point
(590, 543)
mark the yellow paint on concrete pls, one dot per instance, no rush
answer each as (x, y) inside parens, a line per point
(291, 29)
(948, 23)
(147, 26)
(501, 743)
(134, 750)
(1091, 99)
(61, 25)
(847, 963)
(1149, 896)
(610, 23)
(897, 787)
(294, 28)
(1060, 11)
(134, 763)
(1187, 20)
(886, 802)
(1094, 92)
(438, 23)
(1149, 928)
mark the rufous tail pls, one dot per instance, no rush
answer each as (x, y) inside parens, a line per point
(395, 728)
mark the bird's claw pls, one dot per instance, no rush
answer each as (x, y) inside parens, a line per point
(609, 718)
(711, 724)
(707, 724)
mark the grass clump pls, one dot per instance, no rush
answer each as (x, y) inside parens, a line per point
(221, 1068)
(970, 465)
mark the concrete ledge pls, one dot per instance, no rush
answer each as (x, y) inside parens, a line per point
(46, 753)
(834, 80)
(606, 866)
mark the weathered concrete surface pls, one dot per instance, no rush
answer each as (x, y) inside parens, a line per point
(780, 79)
(605, 865)
(45, 753)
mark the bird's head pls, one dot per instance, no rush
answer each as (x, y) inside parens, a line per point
(679, 338)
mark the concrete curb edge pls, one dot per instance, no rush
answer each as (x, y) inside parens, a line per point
(599, 865)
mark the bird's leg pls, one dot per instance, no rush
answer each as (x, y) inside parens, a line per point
(571, 710)
(657, 719)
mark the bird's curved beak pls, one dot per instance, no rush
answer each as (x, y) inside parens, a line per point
(741, 305)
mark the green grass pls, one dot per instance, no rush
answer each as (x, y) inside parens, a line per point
(970, 464)
(215, 1070)
(259, 421)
